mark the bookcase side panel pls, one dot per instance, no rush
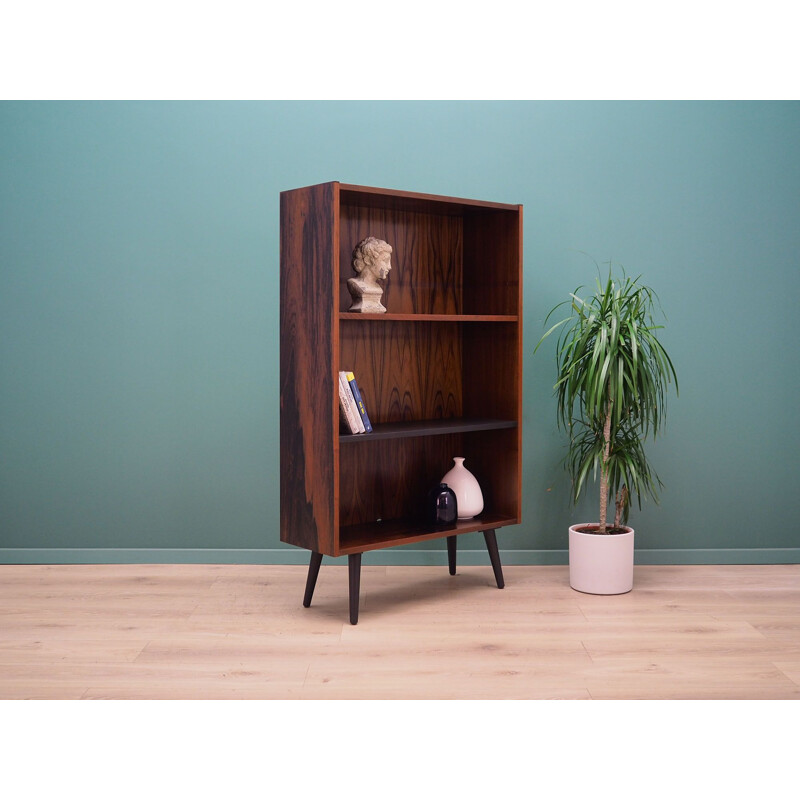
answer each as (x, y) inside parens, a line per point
(307, 433)
(493, 355)
(427, 258)
(494, 458)
(492, 273)
(492, 389)
(491, 375)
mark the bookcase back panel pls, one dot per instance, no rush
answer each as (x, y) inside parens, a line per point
(406, 371)
(390, 479)
(427, 255)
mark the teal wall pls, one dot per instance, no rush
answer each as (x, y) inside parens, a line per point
(139, 309)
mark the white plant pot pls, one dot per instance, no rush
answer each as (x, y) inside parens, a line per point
(469, 497)
(600, 563)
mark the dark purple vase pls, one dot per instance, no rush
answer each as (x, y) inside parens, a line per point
(442, 506)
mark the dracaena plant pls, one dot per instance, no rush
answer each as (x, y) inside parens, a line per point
(613, 376)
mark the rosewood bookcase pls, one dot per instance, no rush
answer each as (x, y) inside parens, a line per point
(440, 372)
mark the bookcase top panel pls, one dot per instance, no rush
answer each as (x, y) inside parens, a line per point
(353, 195)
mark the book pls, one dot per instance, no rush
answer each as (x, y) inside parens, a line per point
(362, 410)
(343, 418)
(348, 410)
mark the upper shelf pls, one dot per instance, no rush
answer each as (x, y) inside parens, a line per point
(428, 427)
(389, 317)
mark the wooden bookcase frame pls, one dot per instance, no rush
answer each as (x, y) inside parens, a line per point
(440, 372)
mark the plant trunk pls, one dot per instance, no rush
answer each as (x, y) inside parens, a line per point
(604, 469)
(622, 499)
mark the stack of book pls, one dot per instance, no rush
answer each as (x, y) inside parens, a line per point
(351, 405)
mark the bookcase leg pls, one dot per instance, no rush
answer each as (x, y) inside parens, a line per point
(494, 557)
(311, 580)
(451, 554)
(354, 569)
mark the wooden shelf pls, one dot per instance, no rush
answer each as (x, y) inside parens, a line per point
(389, 317)
(429, 427)
(391, 533)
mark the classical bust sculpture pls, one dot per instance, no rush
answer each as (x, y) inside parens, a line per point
(372, 262)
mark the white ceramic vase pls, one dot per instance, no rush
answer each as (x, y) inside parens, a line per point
(600, 563)
(469, 496)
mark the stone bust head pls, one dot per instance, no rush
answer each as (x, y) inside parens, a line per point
(372, 263)
(372, 259)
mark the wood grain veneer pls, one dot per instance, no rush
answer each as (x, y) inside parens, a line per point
(406, 371)
(426, 275)
(308, 332)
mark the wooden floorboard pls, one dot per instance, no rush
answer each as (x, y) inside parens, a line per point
(228, 631)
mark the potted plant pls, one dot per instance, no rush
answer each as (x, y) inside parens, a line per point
(613, 376)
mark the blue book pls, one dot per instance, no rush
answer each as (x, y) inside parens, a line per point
(351, 379)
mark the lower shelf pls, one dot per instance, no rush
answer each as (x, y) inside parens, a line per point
(395, 532)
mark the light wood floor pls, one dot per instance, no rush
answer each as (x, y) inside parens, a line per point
(207, 632)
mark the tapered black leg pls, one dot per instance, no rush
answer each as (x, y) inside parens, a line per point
(494, 557)
(451, 554)
(354, 568)
(311, 580)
